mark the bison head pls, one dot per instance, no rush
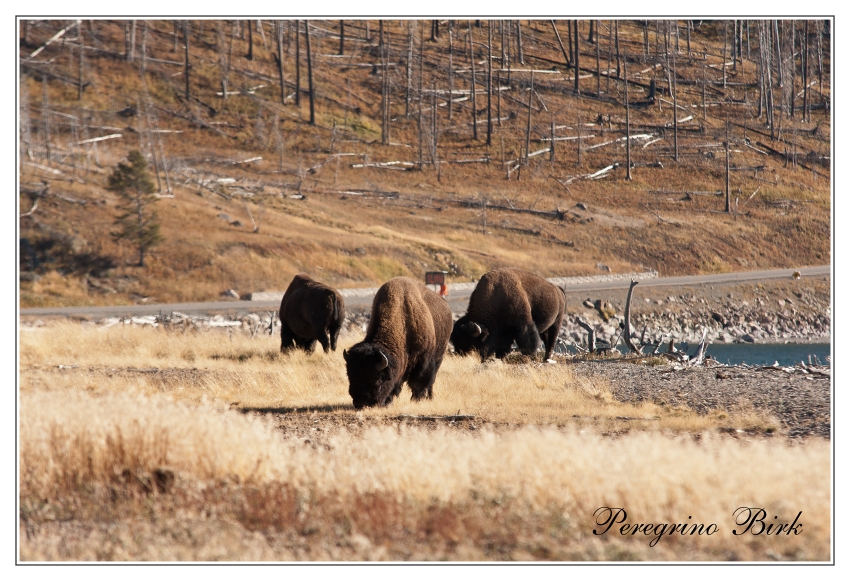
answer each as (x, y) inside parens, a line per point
(468, 336)
(370, 375)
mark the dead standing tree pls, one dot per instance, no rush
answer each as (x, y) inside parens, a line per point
(310, 86)
(472, 82)
(186, 67)
(279, 59)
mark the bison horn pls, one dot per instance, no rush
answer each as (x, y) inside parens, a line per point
(345, 354)
(476, 330)
(383, 363)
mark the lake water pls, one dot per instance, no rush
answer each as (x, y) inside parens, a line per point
(760, 353)
(766, 354)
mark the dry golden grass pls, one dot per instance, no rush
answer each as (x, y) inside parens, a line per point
(76, 448)
(143, 435)
(231, 369)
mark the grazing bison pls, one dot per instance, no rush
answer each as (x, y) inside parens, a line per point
(310, 311)
(405, 341)
(507, 305)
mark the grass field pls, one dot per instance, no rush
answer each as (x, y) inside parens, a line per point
(148, 444)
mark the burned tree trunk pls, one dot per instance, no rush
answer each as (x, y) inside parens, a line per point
(250, 55)
(519, 43)
(575, 27)
(561, 44)
(728, 208)
(591, 334)
(279, 62)
(628, 123)
(186, 41)
(472, 65)
(489, 81)
(310, 86)
(627, 328)
(297, 63)
(342, 37)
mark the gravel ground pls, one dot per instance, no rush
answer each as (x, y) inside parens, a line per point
(800, 402)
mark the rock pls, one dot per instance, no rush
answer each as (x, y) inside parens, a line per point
(588, 304)
(718, 317)
(747, 338)
(230, 294)
(30, 277)
(581, 206)
(225, 217)
(604, 267)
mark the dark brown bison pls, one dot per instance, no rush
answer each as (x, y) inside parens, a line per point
(405, 341)
(507, 305)
(310, 311)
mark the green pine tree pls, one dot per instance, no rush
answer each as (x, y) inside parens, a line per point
(135, 189)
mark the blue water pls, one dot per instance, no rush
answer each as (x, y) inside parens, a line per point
(766, 354)
(761, 354)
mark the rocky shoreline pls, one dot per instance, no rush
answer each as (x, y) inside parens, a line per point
(800, 401)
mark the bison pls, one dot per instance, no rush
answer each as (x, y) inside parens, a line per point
(310, 311)
(405, 341)
(507, 305)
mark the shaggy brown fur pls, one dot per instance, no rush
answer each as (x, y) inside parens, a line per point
(405, 341)
(310, 311)
(507, 305)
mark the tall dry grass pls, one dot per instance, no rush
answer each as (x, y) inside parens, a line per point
(74, 444)
(233, 370)
(226, 416)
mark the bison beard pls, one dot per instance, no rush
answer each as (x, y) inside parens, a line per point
(310, 311)
(507, 305)
(405, 341)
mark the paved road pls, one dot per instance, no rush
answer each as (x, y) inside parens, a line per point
(458, 300)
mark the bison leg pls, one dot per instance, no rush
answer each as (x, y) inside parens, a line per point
(334, 333)
(422, 379)
(324, 341)
(393, 394)
(550, 336)
(305, 344)
(287, 337)
(528, 340)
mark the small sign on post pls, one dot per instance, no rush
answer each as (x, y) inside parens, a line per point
(438, 279)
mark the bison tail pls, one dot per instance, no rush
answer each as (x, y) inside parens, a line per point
(335, 307)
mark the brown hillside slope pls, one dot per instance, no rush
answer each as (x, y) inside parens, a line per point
(302, 203)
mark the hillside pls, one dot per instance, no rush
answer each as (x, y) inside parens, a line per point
(390, 179)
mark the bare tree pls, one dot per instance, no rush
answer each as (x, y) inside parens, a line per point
(342, 37)
(186, 68)
(561, 44)
(297, 63)
(576, 35)
(489, 81)
(728, 193)
(129, 40)
(528, 123)
(628, 121)
(519, 43)
(675, 114)
(410, 69)
(472, 65)
(80, 68)
(279, 59)
(449, 103)
(806, 115)
(250, 55)
(310, 86)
